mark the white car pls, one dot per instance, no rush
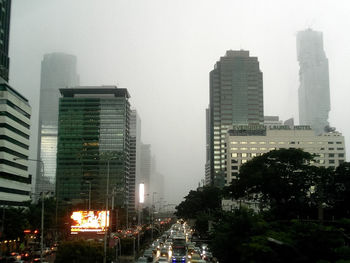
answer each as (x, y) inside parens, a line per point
(162, 259)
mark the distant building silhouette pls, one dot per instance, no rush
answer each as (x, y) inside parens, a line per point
(58, 70)
(236, 98)
(314, 95)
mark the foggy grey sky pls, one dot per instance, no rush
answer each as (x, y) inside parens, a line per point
(162, 52)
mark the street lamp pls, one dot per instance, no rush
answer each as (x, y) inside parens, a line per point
(106, 228)
(89, 183)
(42, 205)
(152, 215)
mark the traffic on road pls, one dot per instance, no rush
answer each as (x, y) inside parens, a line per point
(177, 245)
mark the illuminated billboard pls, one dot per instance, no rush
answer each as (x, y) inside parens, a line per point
(89, 221)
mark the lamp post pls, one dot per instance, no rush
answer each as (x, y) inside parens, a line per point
(106, 228)
(89, 183)
(152, 215)
(42, 205)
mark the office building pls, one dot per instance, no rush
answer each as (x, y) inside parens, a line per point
(135, 159)
(58, 70)
(314, 97)
(5, 13)
(15, 182)
(249, 141)
(146, 168)
(236, 98)
(93, 146)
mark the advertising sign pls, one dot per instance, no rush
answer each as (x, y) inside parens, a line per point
(89, 221)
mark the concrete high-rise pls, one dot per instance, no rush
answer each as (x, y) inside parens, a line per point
(5, 12)
(15, 181)
(58, 70)
(135, 159)
(236, 98)
(314, 95)
(93, 145)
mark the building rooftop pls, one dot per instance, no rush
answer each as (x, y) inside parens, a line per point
(94, 90)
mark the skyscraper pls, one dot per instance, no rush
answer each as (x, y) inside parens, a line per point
(135, 158)
(93, 145)
(314, 98)
(58, 70)
(146, 168)
(15, 181)
(5, 12)
(236, 98)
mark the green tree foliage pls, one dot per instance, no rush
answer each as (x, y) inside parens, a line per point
(206, 199)
(77, 251)
(244, 236)
(15, 222)
(203, 205)
(338, 191)
(281, 180)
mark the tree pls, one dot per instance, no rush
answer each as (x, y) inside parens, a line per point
(15, 222)
(338, 191)
(206, 199)
(281, 181)
(80, 251)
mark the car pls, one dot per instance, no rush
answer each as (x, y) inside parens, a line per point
(195, 258)
(207, 255)
(142, 260)
(164, 252)
(148, 254)
(162, 259)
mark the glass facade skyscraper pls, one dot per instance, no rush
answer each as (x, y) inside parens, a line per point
(314, 94)
(236, 98)
(93, 127)
(5, 13)
(135, 155)
(58, 70)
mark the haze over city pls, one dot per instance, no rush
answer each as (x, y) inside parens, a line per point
(162, 52)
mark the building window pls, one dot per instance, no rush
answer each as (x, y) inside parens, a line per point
(244, 161)
(262, 149)
(340, 149)
(280, 142)
(244, 148)
(234, 142)
(234, 161)
(330, 142)
(253, 149)
(341, 155)
(338, 142)
(234, 155)
(234, 149)
(331, 155)
(272, 142)
(341, 161)
(234, 167)
(252, 142)
(244, 155)
(262, 142)
(292, 143)
(244, 142)
(331, 161)
(331, 149)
